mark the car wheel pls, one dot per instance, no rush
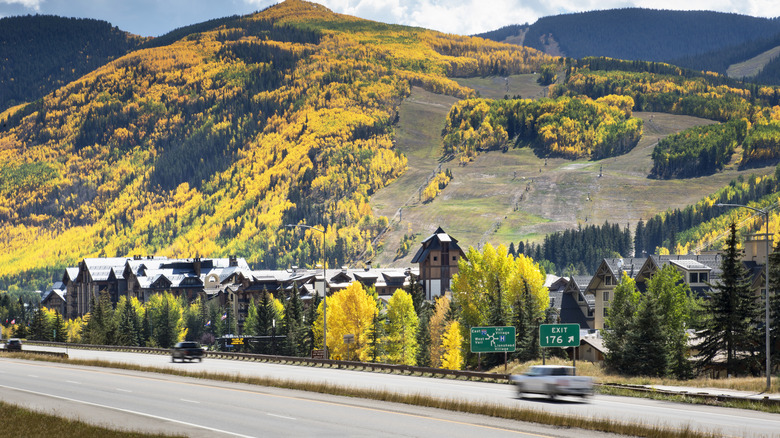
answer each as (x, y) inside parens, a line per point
(519, 391)
(551, 392)
(200, 359)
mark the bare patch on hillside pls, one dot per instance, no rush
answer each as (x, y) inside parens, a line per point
(752, 66)
(508, 197)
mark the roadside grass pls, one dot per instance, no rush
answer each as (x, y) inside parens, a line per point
(479, 408)
(21, 422)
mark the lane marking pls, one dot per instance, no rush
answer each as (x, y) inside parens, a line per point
(129, 411)
(280, 416)
(256, 392)
(189, 401)
(33, 376)
(123, 390)
(73, 382)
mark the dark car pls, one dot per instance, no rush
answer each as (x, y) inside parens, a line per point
(186, 351)
(13, 344)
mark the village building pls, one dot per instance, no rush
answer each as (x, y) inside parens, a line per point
(438, 259)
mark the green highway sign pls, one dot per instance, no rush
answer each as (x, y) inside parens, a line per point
(559, 335)
(492, 339)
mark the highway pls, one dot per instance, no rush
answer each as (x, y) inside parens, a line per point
(725, 421)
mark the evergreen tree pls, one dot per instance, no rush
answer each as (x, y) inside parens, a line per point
(39, 328)
(424, 337)
(146, 330)
(732, 311)
(416, 291)
(294, 330)
(60, 332)
(129, 327)
(100, 329)
(671, 293)
(645, 351)
(618, 323)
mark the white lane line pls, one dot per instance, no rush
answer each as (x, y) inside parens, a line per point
(33, 376)
(189, 401)
(129, 411)
(73, 382)
(280, 416)
(123, 390)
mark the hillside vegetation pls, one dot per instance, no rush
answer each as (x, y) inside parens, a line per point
(42, 53)
(642, 34)
(209, 145)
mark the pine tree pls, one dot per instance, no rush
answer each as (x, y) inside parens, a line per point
(645, 351)
(60, 332)
(293, 329)
(619, 321)
(39, 328)
(732, 311)
(129, 329)
(424, 337)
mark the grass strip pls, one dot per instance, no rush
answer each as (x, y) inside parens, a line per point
(690, 398)
(19, 421)
(479, 408)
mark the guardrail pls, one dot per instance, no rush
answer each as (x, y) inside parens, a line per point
(306, 361)
(766, 400)
(39, 353)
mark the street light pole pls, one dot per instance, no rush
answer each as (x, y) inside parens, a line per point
(766, 291)
(324, 287)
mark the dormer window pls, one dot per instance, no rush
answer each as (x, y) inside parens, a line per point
(608, 280)
(698, 277)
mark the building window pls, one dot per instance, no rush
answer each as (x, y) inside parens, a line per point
(579, 297)
(435, 258)
(703, 277)
(694, 276)
(454, 258)
(608, 280)
(606, 311)
(606, 296)
(552, 302)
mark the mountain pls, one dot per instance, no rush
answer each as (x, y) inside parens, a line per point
(210, 143)
(42, 53)
(210, 140)
(648, 35)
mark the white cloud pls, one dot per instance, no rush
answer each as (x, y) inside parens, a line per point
(30, 4)
(465, 17)
(474, 16)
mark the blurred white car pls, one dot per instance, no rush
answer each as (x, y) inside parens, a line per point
(552, 380)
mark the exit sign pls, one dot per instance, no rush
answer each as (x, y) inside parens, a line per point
(559, 335)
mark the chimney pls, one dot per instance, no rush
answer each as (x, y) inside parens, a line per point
(233, 261)
(196, 266)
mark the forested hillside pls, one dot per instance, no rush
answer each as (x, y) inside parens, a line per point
(42, 53)
(209, 145)
(701, 40)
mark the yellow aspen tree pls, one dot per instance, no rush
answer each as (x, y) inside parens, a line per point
(401, 329)
(452, 357)
(350, 312)
(436, 328)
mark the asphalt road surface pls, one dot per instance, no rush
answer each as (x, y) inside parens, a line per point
(725, 421)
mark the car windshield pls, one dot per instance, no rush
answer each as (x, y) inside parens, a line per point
(188, 345)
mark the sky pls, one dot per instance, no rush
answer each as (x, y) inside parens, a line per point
(463, 17)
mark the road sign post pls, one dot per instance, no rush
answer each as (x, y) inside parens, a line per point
(493, 340)
(560, 335)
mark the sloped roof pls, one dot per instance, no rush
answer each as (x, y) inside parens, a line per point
(433, 242)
